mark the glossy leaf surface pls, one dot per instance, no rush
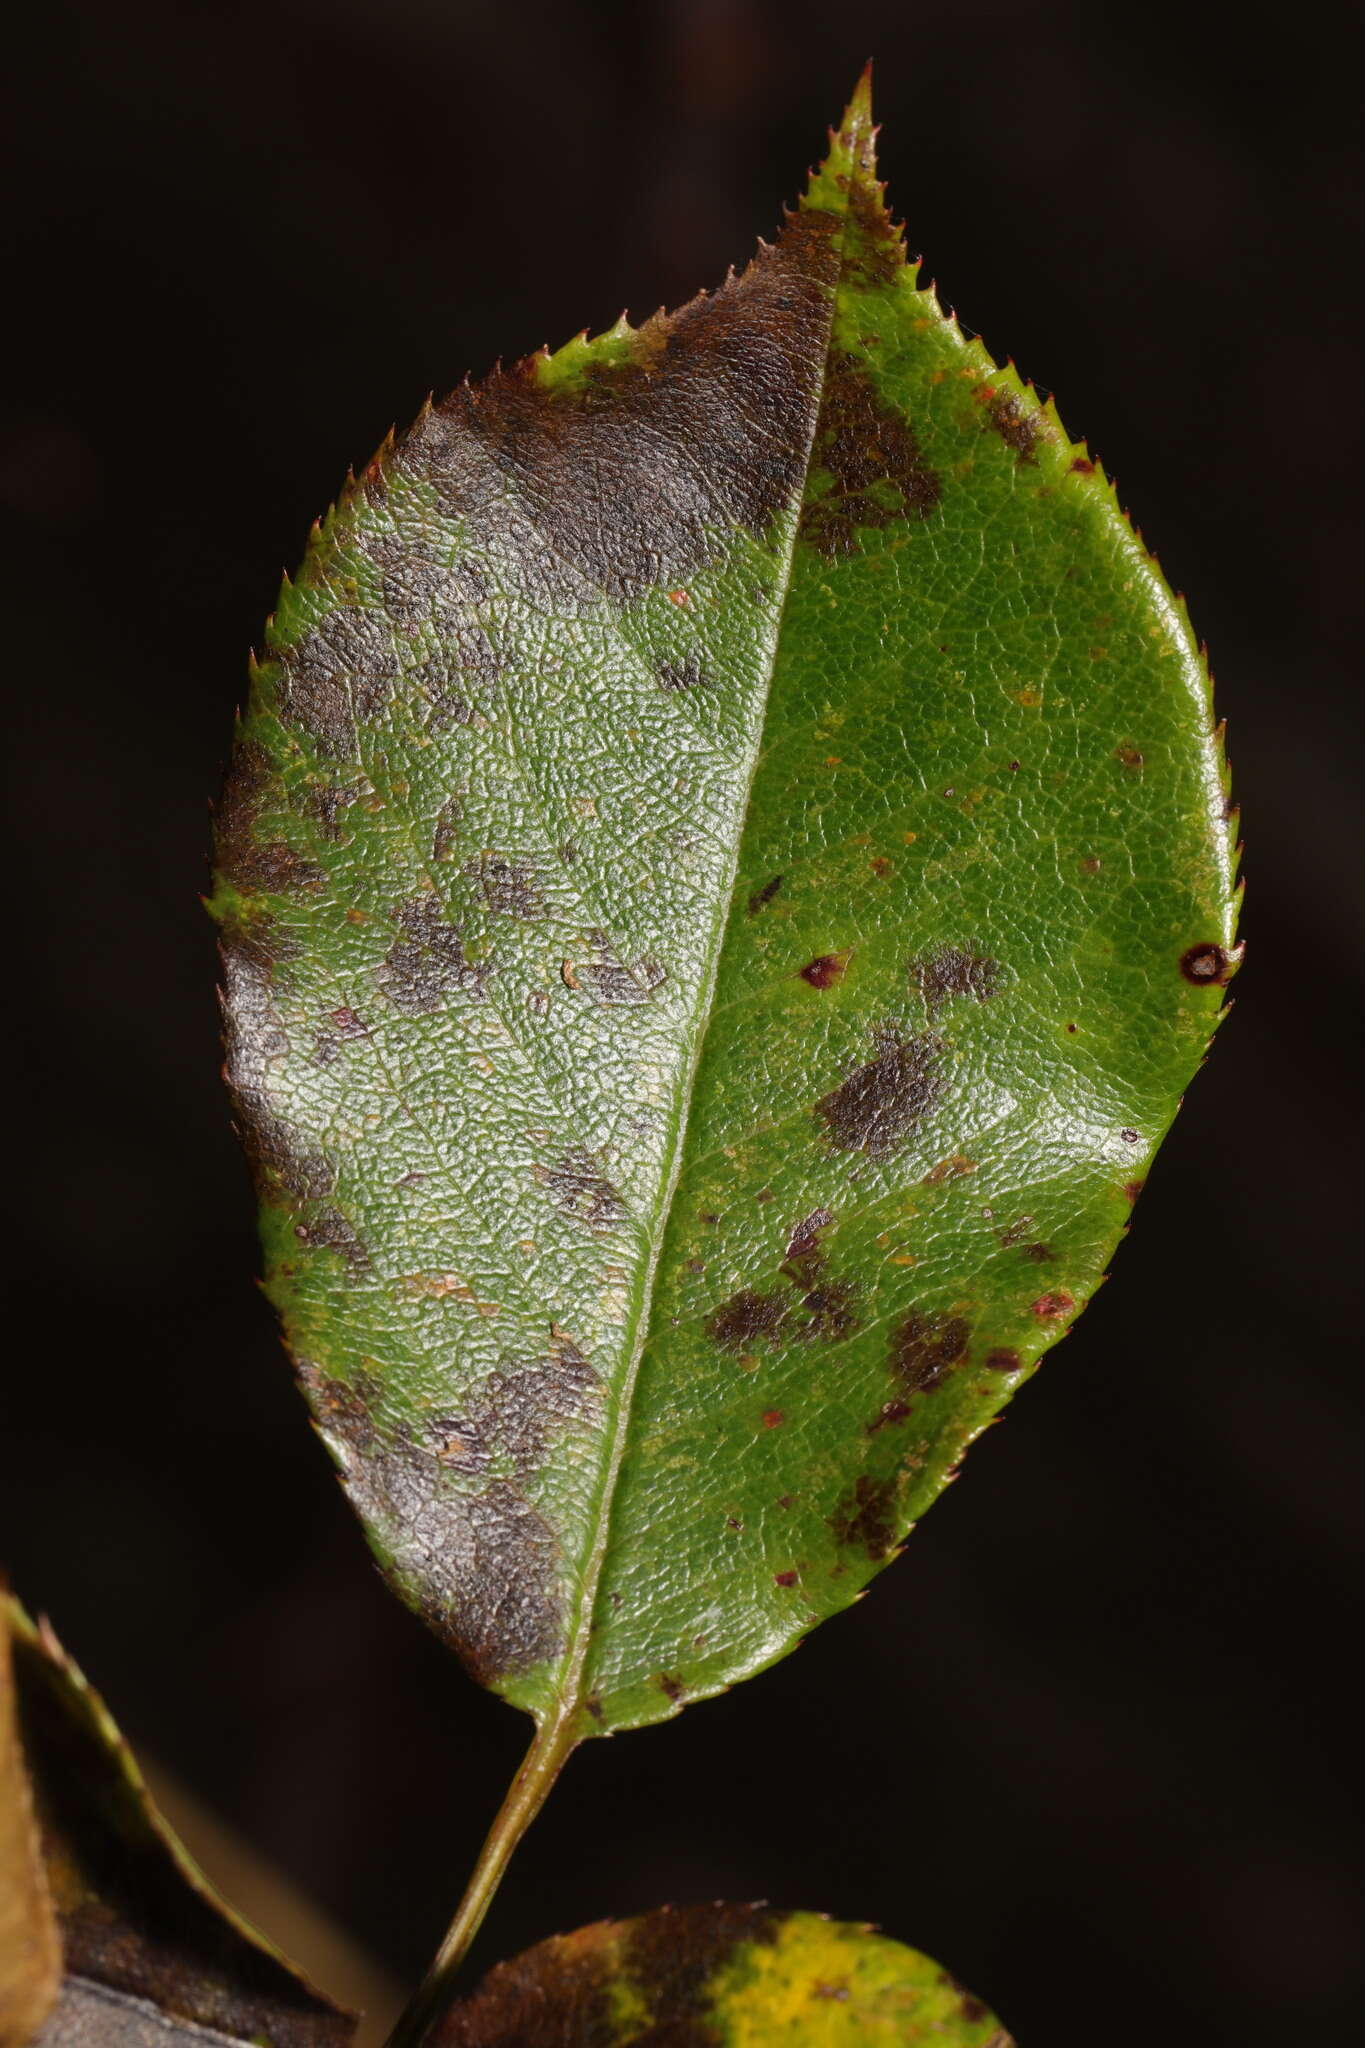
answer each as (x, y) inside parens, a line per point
(724, 878)
(151, 1953)
(721, 1977)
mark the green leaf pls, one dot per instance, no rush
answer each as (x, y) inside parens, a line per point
(732, 1976)
(725, 875)
(152, 1953)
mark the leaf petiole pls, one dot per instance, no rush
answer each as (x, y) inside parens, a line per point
(544, 1760)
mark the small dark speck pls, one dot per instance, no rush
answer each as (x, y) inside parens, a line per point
(1039, 1253)
(785, 1578)
(1014, 767)
(1130, 1137)
(772, 1418)
(671, 1685)
(761, 898)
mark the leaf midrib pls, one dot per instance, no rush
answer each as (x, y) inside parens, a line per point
(571, 1695)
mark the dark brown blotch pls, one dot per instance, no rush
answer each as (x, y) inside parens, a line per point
(516, 1413)
(508, 886)
(342, 672)
(244, 861)
(672, 1957)
(803, 1246)
(833, 1309)
(666, 434)
(1005, 416)
(745, 1318)
(1129, 756)
(671, 1686)
(578, 1186)
(1001, 1361)
(878, 1107)
(682, 675)
(327, 1229)
(761, 898)
(925, 1347)
(613, 983)
(877, 475)
(1207, 966)
(427, 961)
(865, 1518)
(825, 970)
(953, 971)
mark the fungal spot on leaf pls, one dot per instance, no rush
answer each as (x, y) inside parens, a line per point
(427, 962)
(890, 1413)
(864, 1519)
(1083, 466)
(665, 434)
(953, 1168)
(1001, 1361)
(327, 1229)
(516, 1413)
(925, 1348)
(345, 669)
(878, 1107)
(825, 971)
(611, 982)
(833, 1311)
(446, 832)
(877, 475)
(1129, 755)
(785, 1578)
(952, 971)
(681, 675)
(1133, 1188)
(579, 1188)
(326, 802)
(1052, 1307)
(245, 861)
(508, 886)
(1039, 1253)
(671, 1685)
(773, 1418)
(761, 898)
(1018, 429)
(745, 1317)
(1206, 966)
(803, 1246)
(481, 1567)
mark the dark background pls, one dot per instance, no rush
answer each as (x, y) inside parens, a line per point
(1089, 1741)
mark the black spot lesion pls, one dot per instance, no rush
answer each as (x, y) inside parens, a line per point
(952, 971)
(577, 1185)
(246, 862)
(761, 898)
(747, 1318)
(344, 671)
(509, 886)
(682, 675)
(925, 1347)
(427, 961)
(876, 473)
(610, 980)
(865, 1518)
(1208, 966)
(1019, 429)
(516, 1413)
(880, 1105)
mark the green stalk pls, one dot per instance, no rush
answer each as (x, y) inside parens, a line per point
(544, 1760)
